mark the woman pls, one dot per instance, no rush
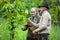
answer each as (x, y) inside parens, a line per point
(35, 18)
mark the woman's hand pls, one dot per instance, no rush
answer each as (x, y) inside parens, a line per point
(24, 28)
(29, 21)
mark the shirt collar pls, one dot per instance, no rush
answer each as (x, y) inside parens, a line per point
(44, 12)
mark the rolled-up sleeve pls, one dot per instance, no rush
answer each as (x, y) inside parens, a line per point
(34, 24)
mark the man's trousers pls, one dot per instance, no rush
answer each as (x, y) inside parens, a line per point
(43, 36)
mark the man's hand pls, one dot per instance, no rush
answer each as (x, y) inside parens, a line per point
(34, 32)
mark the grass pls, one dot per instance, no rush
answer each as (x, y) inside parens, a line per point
(55, 33)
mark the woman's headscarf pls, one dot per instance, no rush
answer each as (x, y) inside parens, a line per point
(34, 18)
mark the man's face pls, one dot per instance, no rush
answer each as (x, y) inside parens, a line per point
(41, 9)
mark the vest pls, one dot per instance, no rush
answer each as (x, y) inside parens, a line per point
(31, 28)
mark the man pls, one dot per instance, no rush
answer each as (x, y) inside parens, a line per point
(45, 23)
(35, 18)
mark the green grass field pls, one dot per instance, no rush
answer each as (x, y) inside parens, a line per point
(21, 35)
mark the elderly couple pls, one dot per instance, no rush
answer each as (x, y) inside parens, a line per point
(38, 26)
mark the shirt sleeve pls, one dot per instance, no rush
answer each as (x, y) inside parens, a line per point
(34, 24)
(43, 23)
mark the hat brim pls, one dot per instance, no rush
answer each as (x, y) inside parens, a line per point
(43, 6)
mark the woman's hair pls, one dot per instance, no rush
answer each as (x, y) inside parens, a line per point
(37, 12)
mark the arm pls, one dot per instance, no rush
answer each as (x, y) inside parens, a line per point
(31, 22)
(25, 27)
(34, 24)
(43, 23)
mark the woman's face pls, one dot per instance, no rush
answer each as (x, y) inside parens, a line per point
(33, 12)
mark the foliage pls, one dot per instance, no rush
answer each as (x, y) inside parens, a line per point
(16, 11)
